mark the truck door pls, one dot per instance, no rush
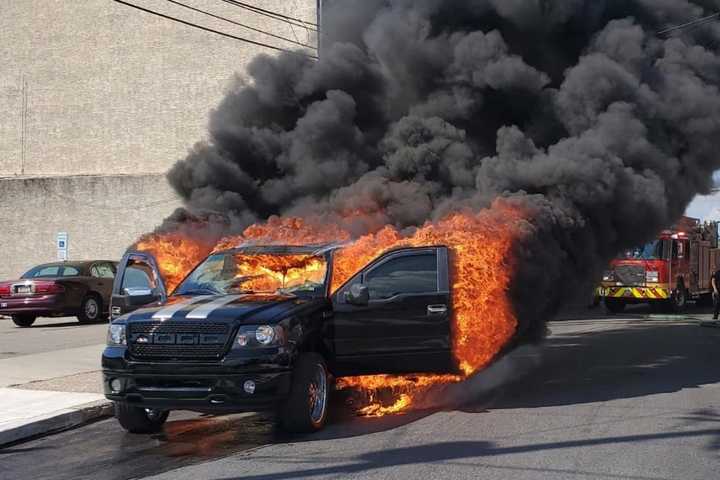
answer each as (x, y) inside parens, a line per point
(393, 316)
(137, 283)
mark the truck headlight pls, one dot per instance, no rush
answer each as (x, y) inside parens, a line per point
(265, 335)
(116, 334)
(259, 336)
(609, 276)
(652, 277)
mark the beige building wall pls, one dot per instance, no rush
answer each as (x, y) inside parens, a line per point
(103, 99)
(102, 216)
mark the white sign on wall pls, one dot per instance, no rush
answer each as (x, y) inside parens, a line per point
(62, 246)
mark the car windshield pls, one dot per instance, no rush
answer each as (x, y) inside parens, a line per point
(649, 251)
(242, 272)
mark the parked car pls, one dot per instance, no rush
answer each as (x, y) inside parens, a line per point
(231, 338)
(60, 289)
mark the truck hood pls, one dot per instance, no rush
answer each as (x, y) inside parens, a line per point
(248, 308)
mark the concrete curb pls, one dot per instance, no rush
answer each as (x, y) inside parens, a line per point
(57, 421)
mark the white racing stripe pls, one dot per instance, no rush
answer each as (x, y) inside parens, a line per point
(204, 310)
(171, 310)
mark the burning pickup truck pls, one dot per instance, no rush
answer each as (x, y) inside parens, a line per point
(261, 327)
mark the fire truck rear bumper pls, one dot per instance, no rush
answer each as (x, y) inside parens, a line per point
(635, 293)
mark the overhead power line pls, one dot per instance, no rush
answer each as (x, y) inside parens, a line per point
(274, 15)
(218, 32)
(279, 37)
(693, 23)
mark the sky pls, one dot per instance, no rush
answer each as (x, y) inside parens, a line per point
(706, 207)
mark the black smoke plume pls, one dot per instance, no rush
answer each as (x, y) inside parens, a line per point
(575, 109)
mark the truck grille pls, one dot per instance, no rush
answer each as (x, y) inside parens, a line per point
(178, 340)
(630, 274)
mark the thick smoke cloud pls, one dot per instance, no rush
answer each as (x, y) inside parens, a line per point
(574, 109)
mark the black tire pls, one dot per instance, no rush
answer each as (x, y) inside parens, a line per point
(140, 420)
(678, 300)
(90, 309)
(615, 305)
(23, 321)
(305, 410)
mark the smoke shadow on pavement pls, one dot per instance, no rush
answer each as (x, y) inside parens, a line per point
(587, 366)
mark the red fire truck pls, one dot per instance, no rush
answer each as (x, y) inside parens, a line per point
(667, 272)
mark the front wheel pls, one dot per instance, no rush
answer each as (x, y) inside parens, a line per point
(305, 410)
(138, 419)
(614, 305)
(23, 321)
(678, 300)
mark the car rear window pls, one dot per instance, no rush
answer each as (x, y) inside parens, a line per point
(48, 271)
(43, 271)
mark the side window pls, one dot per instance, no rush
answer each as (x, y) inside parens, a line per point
(70, 271)
(403, 275)
(105, 270)
(139, 274)
(94, 271)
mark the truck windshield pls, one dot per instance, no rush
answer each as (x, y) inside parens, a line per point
(233, 272)
(649, 251)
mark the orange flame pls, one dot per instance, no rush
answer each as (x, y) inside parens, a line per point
(268, 273)
(481, 269)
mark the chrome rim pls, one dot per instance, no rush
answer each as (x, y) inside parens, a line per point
(153, 414)
(91, 308)
(317, 394)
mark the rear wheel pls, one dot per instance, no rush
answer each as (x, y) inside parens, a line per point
(140, 420)
(23, 321)
(614, 305)
(306, 408)
(90, 309)
(678, 300)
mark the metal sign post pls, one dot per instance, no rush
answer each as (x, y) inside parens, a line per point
(62, 246)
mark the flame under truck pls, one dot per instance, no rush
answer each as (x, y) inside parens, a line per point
(667, 272)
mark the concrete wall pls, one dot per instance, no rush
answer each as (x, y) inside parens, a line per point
(102, 215)
(97, 101)
(96, 87)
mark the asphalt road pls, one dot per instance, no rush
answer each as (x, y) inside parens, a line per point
(618, 398)
(47, 335)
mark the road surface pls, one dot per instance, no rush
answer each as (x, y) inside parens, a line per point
(609, 398)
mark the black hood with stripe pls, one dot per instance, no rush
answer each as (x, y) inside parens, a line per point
(247, 308)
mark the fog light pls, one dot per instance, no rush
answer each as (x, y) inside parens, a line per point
(249, 387)
(115, 385)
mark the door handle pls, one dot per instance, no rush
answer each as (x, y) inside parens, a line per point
(436, 309)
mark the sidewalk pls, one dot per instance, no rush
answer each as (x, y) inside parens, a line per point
(46, 392)
(27, 413)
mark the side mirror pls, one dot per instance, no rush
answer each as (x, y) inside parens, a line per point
(138, 296)
(358, 295)
(137, 292)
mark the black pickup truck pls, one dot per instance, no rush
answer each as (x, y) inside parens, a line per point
(230, 339)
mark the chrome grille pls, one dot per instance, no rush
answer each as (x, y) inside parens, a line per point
(178, 340)
(630, 274)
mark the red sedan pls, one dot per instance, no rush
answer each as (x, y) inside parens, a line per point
(60, 289)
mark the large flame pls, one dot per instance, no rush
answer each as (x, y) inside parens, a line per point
(483, 319)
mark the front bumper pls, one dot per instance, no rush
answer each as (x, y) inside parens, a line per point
(635, 294)
(209, 388)
(32, 305)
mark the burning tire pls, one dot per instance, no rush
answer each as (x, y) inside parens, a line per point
(138, 419)
(23, 321)
(615, 305)
(305, 410)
